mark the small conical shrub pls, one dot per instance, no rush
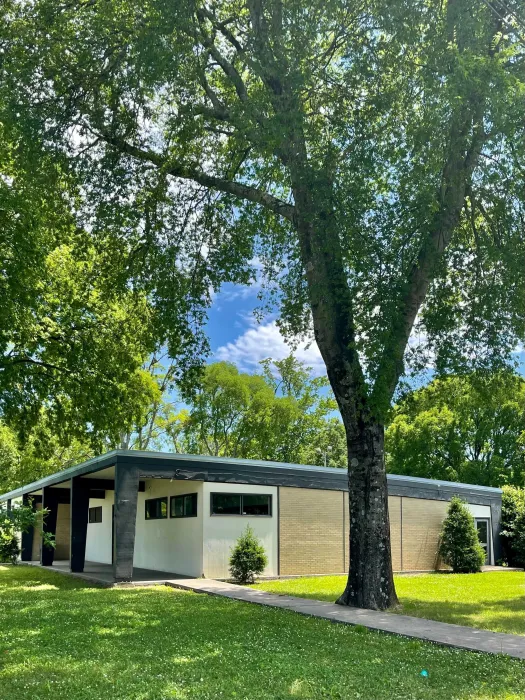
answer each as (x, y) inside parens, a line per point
(248, 558)
(459, 546)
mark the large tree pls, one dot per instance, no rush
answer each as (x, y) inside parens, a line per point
(370, 154)
(469, 429)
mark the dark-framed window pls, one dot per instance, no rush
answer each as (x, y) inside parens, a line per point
(183, 506)
(95, 514)
(157, 508)
(241, 504)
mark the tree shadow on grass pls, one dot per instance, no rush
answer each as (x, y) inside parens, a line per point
(63, 639)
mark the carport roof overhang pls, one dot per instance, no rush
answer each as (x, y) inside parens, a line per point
(163, 465)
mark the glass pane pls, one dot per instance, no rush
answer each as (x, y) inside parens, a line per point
(163, 508)
(190, 505)
(176, 507)
(226, 504)
(256, 504)
(483, 533)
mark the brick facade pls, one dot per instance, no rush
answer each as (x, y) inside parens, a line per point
(61, 537)
(314, 532)
(311, 528)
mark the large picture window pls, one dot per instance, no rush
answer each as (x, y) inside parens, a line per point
(156, 508)
(95, 514)
(184, 506)
(241, 504)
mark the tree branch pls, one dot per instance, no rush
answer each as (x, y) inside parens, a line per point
(237, 189)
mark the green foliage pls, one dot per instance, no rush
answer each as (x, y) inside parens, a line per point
(513, 525)
(248, 558)
(467, 429)
(16, 520)
(9, 548)
(459, 545)
(279, 414)
(193, 141)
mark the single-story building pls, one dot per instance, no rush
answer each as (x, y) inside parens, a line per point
(183, 513)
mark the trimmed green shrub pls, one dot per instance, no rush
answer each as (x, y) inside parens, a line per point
(9, 549)
(248, 558)
(459, 546)
(513, 525)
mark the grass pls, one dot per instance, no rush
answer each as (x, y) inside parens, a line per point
(61, 639)
(492, 600)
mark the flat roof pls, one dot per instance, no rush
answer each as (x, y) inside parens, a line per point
(232, 470)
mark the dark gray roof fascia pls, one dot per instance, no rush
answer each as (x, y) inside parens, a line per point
(226, 470)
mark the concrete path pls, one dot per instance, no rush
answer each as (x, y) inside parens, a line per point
(428, 630)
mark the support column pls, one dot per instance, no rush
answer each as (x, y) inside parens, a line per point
(49, 523)
(26, 553)
(495, 512)
(79, 510)
(126, 494)
(8, 504)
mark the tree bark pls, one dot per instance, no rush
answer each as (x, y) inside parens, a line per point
(370, 581)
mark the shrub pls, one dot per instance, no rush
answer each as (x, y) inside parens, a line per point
(459, 546)
(248, 558)
(513, 525)
(518, 541)
(9, 549)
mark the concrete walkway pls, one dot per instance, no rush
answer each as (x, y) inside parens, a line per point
(428, 630)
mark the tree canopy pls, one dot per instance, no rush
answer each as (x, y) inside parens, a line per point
(469, 429)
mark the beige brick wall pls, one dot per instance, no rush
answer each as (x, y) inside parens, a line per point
(314, 532)
(310, 531)
(346, 549)
(422, 520)
(62, 534)
(35, 556)
(61, 537)
(394, 512)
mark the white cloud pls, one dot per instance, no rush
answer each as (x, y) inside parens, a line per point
(262, 341)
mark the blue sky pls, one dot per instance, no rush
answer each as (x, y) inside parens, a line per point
(236, 336)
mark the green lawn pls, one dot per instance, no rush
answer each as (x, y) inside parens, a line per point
(63, 640)
(491, 600)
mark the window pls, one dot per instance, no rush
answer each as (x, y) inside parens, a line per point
(95, 514)
(184, 506)
(156, 508)
(241, 504)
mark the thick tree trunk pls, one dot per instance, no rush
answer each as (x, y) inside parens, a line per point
(370, 580)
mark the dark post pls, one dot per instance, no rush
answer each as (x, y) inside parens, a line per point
(50, 498)
(79, 509)
(495, 511)
(126, 494)
(8, 504)
(27, 537)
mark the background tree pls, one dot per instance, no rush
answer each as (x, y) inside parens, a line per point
(468, 429)
(513, 525)
(278, 414)
(369, 153)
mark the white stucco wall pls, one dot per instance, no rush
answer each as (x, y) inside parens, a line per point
(173, 544)
(98, 543)
(222, 531)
